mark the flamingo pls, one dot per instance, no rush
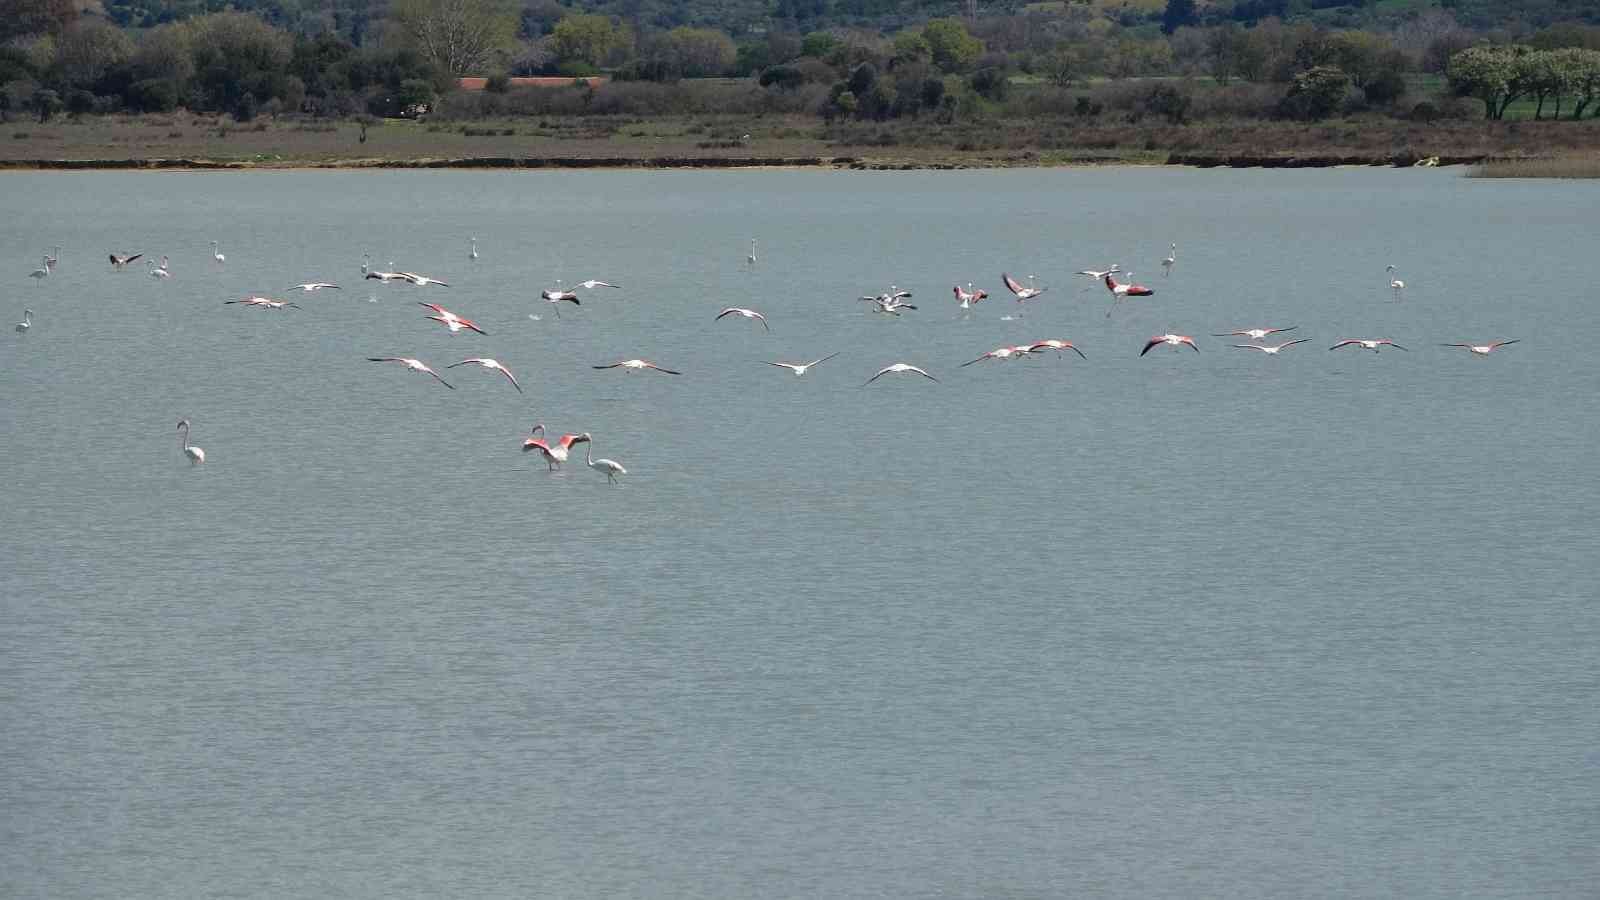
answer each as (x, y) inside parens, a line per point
(1272, 349)
(898, 368)
(607, 467)
(746, 313)
(1166, 264)
(1254, 334)
(488, 363)
(751, 259)
(421, 280)
(630, 365)
(555, 455)
(1176, 340)
(312, 286)
(1395, 284)
(801, 368)
(121, 262)
(387, 277)
(1121, 292)
(473, 253)
(43, 271)
(263, 303)
(26, 323)
(1053, 344)
(50, 259)
(999, 353)
(1367, 344)
(1023, 294)
(160, 271)
(450, 320)
(366, 262)
(415, 365)
(195, 454)
(1475, 349)
(593, 283)
(216, 253)
(1097, 274)
(969, 297)
(556, 295)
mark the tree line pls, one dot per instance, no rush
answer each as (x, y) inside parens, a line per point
(404, 57)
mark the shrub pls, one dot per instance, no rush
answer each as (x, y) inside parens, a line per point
(1385, 88)
(499, 83)
(153, 95)
(1316, 93)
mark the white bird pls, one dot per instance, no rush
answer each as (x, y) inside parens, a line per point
(450, 320)
(366, 262)
(1396, 284)
(160, 271)
(195, 454)
(421, 280)
(746, 313)
(751, 259)
(1166, 264)
(387, 277)
(1098, 274)
(801, 368)
(1271, 349)
(121, 262)
(592, 283)
(473, 253)
(1254, 334)
(1016, 352)
(1474, 349)
(310, 286)
(43, 271)
(1174, 340)
(631, 365)
(26, 323)
(1022, 293)
(488, 363)
(263, 303)
(555, 296)
(216, 253)
(608, 467)
(415, 365)
(50, 259)
(898, 368)
(1367, 344)
(1055, 344)
(969, 298)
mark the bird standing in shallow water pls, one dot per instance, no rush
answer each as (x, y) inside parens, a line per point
(195, 454)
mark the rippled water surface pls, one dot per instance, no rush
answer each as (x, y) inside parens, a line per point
(1192, 624)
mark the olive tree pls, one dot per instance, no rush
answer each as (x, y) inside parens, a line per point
(458, 36)
(1493, 75)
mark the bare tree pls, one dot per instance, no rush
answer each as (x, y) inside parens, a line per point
(460, 36)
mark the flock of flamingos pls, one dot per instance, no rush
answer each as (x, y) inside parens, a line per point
(893, 302)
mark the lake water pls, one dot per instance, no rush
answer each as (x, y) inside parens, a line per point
(1187, 625)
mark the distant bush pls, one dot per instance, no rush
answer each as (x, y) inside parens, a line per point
(498, 83)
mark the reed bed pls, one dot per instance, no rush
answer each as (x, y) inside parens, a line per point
(1587, 166)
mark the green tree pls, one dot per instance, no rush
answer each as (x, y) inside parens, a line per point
(45, 103)
(459, 36)
(1490, 74)
(1585, 67)
(86, 50)
(235, 54)
(952, 47)
(24, 18)
(586, 39)
(819, 44)
(1316, 93)
(698, 52)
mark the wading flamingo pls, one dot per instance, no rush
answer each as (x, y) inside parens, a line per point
(195, 454)
(608, 467)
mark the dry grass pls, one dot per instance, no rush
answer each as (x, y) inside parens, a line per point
(1579, 166)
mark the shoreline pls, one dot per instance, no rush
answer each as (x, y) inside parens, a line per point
(1187, 160)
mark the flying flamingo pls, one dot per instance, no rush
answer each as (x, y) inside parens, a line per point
(1367, 344)
(1166, 264)
(488, 363)
(387, 277)
(26, 323)
(195, 454)
(415, 365)
(801, 368)
(421, 280)
(312, 286)
(50, 259)
(969, 297)
(160, 271)
(1023, 294)
(1053, 344)
(556, 295)
(1121, 292)
(43, 271)
(1175, 340)
(1017, 352)
(121, 262)
(593, 283)
(216, 253)
(630, 365)
(1097, 275)
(746, 313)
(263, 303)
(1272, 349)
(1254, 334)
(1395, 284)
(1483, 349)
(450, 320)
(473, 253)
(554, 456)
(608, 467)
(898, 368)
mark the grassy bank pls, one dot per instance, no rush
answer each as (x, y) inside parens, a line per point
(905, 142)
(1573, 166)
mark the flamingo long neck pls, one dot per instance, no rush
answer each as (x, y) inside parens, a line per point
(588, 453)
(183, 436)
